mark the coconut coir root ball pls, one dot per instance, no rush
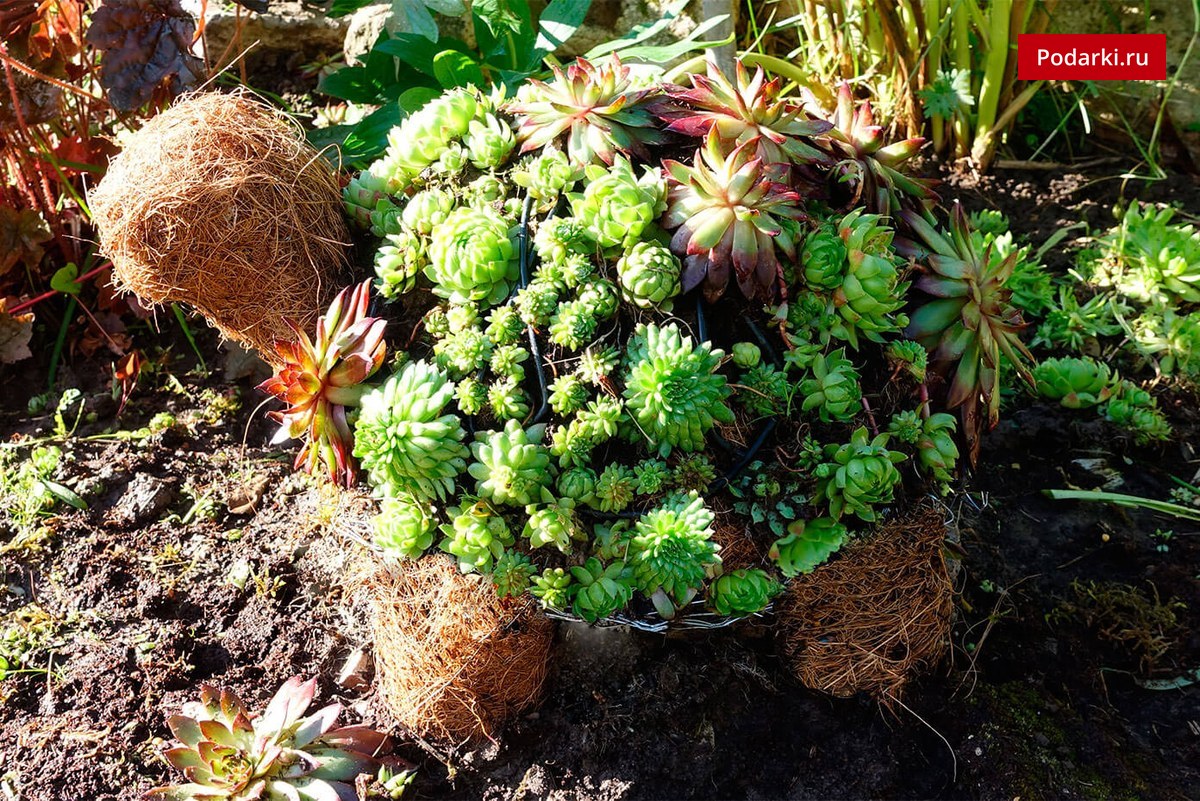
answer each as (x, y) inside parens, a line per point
(220, 203)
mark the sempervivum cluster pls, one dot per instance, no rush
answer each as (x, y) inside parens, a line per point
(594, 108)
(859, 475)
(672, 390)
(1074, 382)
(671, 551)
(562, 288)
(732, 218)
(405, 441)
(320, 380)
(471, 256)
(225, 751)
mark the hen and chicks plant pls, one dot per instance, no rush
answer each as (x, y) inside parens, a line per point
(226, 752)
(405, 441)
(671, 551)
(672, 391)
(320, 380)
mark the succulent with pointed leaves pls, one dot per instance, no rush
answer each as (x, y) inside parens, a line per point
(554, 524)
(866, 172)
(435, 322)
(547, 175)
(471, 395)
(909, 356)
(511, 573)
(568, 394)
(746, 355)
(596, 106)
(808, 544)
(969, 324)
(615, 489)
(617, 206)
(870, 292)
(834, 389)
(1151, 259)
(428, 209)
(463, 353)
(652, 476)
(399, 261)
(906, 426)
(557, 239)
(936, 452)
(672, 390)
(750, 110)
(476, 535)
(859, 475)
(511, 466)
(227, 753)
(573, 325)
(404, 441)
(489, 141)
(552, 588)
(509, 401)
(538, 302)
(597, 364)
(578, 484)
(1136, 410)
(1075, 382)
(671, 551)
(765, 390)
(505, 325)
(599, 420)
(649, 275)
(1171, 338)
(507, 361)
(742, 592)
(599, 590)
(386, 218)
(320, 379)
(471, 257)
(731, 219)
(693, 473)
(419, 140)
(403, 527)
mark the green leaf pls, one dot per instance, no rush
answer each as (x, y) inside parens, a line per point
(557, 24)
(418, 52)
(670, 52)
(415, 98)
(63, 494)
(64, 281)
(368, 138)
(341, 8)
(420, 21)
(3, 668)
(453, 68)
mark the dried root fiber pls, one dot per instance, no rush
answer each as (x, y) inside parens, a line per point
(219, 202)
(455, 661)
(876, 616)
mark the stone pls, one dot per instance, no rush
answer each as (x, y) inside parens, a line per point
(288, 27)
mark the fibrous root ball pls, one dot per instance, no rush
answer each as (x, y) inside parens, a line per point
(455, 660)
(220, 203)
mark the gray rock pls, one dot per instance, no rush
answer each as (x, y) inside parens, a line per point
(144, 499)
(288, 27)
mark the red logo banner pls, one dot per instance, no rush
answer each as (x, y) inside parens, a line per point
(1092, 56)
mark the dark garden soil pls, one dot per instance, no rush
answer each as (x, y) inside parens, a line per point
(203, 559)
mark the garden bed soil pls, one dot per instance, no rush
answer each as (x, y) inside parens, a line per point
(132, 603)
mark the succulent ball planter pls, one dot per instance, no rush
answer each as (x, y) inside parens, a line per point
(645, 324)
